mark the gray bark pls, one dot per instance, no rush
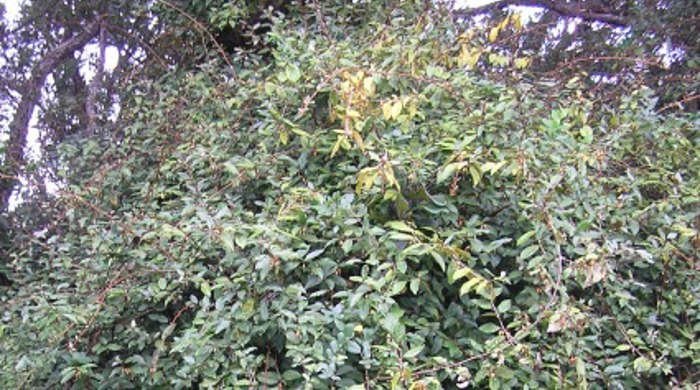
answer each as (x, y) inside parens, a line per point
(13, 159)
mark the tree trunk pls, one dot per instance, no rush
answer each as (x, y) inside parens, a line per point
(13, 160)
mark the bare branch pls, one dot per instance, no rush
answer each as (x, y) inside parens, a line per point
(561, 7)
(204, 30)
(95, 86)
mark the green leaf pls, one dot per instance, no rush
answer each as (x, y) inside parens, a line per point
(413, 352)
(314, 254)
(529, 251)
(581, 372)
(439, 260)
(293, 73)
(489, 328)
(642, 364)
(392, 320)
(400, 226)
(206, 288)
(354, 348)
(524, 238)
(469, 285)
(227, 240)
(414, 286)
(504, 306)
(449, 171)
(291, 375)
(586, 134)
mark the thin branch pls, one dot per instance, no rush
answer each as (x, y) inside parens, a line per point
(678, 104)
(202, 28)
(560, 7)
(95, 86)
(321, 20)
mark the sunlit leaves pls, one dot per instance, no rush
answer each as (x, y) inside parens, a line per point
(450, 170)
(469, 56)
(384, 171)
(365, 179)
(493, 34)
(521, 62)
(566, 317)
(391, 109)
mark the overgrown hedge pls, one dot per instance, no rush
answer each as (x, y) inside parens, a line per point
(367, 212)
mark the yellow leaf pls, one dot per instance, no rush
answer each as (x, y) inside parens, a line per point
(336, 146)
(517, 22)
(497, 59)
(396, 109)
(284, 136)
(473, 58)
(300, 132)
(493, 35)
(358, 138)
(365, 179)
(368, 85)
(388, 174)
(370, 179)
(476, 174)
(504, 23)
(360, 180)
(521, 63)
(400, 226)
(491, 167)
(358, 77)
(386, 110)
(469, 57)
(352, 113)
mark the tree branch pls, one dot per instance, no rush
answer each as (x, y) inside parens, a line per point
(565, 9)
(91, 105)
(13, 159)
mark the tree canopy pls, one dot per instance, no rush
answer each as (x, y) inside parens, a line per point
(344, 194)
(617, 46)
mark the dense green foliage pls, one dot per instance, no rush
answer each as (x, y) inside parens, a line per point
(353, 207)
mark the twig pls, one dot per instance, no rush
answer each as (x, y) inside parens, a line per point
(202, 28)
(678, 103)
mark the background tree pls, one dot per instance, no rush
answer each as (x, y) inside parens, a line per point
(616, 46)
